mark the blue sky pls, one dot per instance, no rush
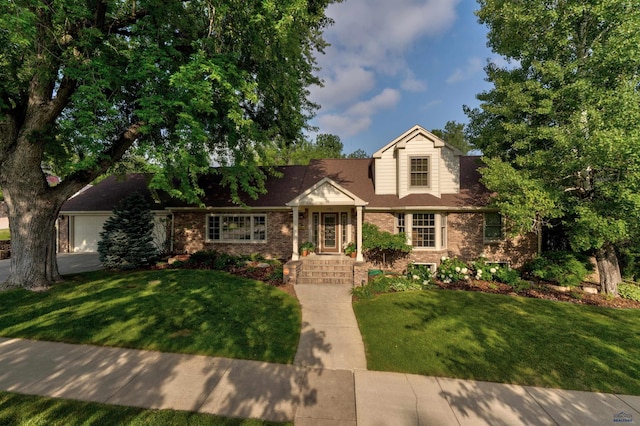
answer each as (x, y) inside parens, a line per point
(394, 64)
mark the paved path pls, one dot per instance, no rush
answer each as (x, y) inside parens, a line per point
(68, 263)
(327, 385)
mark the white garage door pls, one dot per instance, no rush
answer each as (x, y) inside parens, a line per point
(86, 232)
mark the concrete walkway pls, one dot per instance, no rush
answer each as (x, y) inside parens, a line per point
(327, 385)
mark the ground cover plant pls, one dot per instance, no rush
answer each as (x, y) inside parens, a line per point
(526, 341)
(16, 409)
(185, 311)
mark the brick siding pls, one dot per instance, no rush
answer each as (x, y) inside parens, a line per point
(190, 236)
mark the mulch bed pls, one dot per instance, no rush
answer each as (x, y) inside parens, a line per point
(542, 291)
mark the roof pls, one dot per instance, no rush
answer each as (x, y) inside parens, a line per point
(354, 175)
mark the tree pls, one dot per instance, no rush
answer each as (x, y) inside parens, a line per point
(127, 236)
(358, 153)
(183, 83)
(453, 134)
(560, 127)
(301, 153)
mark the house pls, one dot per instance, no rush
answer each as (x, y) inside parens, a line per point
(416, 184)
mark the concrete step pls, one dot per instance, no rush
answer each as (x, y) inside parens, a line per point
(344, 281)
(326, 274)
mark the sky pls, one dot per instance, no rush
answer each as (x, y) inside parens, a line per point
(393, 64)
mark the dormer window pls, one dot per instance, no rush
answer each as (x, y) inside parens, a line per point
(419, 172)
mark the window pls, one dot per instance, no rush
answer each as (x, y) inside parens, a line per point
(237, 228)
(423, 230)
(400, 223)
(419, 172)
(492, 226)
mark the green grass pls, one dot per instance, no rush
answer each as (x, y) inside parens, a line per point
(16, 409)
(184, 311)
(504, 339)
(4, 234)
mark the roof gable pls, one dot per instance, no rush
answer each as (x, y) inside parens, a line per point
(326, 192)
(401, 141)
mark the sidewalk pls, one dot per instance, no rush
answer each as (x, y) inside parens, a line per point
(321, 388)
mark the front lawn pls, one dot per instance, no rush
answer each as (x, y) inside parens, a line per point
(5, 234)
(16, 409)
(184, 311)
(503, 339)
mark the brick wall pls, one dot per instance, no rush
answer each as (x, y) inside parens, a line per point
(190, 236)
(465, 239)
(465, 234)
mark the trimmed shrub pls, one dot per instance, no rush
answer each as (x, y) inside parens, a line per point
(507, 275)
(127, 236)
(561, 267)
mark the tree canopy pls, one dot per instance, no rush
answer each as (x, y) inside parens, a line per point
(560, 128)
(454, 134)
(182, 84)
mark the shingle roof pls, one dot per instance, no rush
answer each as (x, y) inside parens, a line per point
(355, 175)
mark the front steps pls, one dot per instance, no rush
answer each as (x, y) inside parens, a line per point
(326, 269)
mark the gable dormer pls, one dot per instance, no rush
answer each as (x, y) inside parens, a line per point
(417, 162)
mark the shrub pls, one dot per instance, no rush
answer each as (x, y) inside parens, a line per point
(483, 270)
(629, 291)
(452, 270)
(561, 267)
(521, 285)
(127, 236)
(420, 273)
(507, 275)
(381, 246)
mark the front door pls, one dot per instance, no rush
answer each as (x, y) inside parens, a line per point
(329, 233)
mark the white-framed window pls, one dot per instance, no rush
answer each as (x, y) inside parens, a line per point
(493, 230)
(237, 228)
(424, 230)
(419, 172)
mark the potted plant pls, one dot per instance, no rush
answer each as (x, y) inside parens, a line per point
(306, 248)
(350, 249)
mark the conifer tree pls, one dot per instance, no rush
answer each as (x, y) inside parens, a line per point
(127, 236)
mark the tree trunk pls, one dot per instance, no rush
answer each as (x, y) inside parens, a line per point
(33, 241)
(609, 270)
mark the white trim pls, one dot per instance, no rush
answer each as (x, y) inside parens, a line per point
(356, 201)
(207, 239)
(400, 141)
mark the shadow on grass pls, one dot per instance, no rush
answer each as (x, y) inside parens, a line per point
(193, 312)
(504, 339)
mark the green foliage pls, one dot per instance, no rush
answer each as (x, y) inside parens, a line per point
(420, 273)
(483, 270)
(505, 274)
(383, 246)
(127, 236)
(630, 260)
(211, 259)
(307, 246)
(358, 153)
(452, 270)
(559, 126)
(454, 134)
(629, 291)
(563, 268)
(350, 248)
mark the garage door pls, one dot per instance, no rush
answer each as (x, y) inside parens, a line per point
(86, 233)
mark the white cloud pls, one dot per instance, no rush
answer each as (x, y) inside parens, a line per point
(413, 84)
(473, 66)
(345, 85)
(358, 117)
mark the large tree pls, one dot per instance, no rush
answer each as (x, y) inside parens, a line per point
(454, 134)
(182, 83)
(561, 127)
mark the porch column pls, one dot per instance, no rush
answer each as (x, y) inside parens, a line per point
(359, 257)
(294, 255)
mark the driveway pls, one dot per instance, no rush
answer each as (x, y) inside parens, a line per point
(68, 263)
